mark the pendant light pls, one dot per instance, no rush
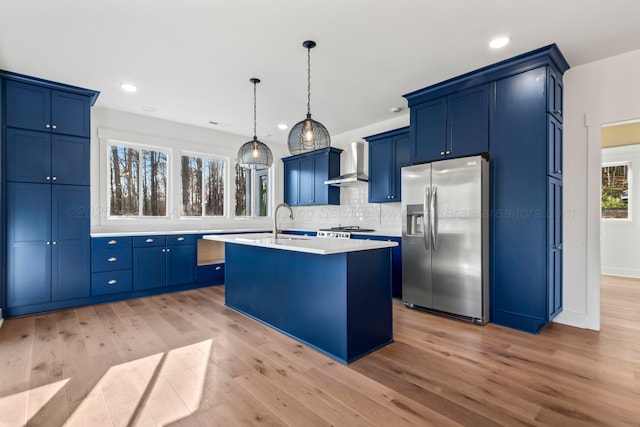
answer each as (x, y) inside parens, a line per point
(255, 154)
(308, 135)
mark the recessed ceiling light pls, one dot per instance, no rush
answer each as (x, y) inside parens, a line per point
(283, 126)
(211, 122)
(499, 42)
(149, 109)
(128, 87)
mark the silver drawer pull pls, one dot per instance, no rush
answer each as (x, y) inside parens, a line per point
(112, 259)
(112, 242)
(149, 240)
(54, 127)
(218, 268)
(180, 239)
(112, 282)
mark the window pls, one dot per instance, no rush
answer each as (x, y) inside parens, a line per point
(252, 192)
(202, 186)
(138, 182)
(615, 190)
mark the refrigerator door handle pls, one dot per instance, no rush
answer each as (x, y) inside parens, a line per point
(426, 217)
(433, 216)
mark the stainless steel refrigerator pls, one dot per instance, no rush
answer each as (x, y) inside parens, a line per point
(445, 222)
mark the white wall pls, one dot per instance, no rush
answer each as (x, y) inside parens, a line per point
(600, 92)
(620, 238)
(177, 137)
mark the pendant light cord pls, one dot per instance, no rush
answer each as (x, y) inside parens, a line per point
(308, 81)
(254, 111)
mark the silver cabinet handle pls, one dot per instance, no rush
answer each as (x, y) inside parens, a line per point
(168, 250)
(559, 112)
(558, 171)
(48, 178)
(149, 240)
(54, 243)
(426, 218)
(112, 259)
(112, 282)
(180, 239)
(48, 243)
(54, 178)
(433, 214)
(48, 126)
(54, 127)
(218, 268)
(447, 152)
(442, 153)
(164, 250)
(112, 242)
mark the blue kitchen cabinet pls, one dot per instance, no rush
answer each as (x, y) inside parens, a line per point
(111, 265)
(41, 157)
(523, 124)
(38, 107)
(396, 260)
(305, 174)
(388, 153)
(456, 125)
(47, 244)
(160, 261)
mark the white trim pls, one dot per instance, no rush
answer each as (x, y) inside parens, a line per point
(622, 272)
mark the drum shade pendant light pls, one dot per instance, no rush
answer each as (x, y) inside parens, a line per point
(255, 154)
(308, 135)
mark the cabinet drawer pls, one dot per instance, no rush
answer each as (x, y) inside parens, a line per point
(210, 272)
(110, 242)
(110, 259)
(181, 239)
(148, 241)
(111, 282)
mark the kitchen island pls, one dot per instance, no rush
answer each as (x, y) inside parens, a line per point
(332, 294)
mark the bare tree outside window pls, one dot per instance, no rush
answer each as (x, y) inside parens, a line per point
(191, 171)
(154, 183)
(125, 165)
(243, 191)
(202, 186)
(615, 191)
(214, 187)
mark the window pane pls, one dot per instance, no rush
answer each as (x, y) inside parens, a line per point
(154, 183)
(243, 191)
(124, 165)
(615, 191)
(263, 192)
(191, 173)
(214, 187)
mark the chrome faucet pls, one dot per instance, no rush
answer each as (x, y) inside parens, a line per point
(275, 218)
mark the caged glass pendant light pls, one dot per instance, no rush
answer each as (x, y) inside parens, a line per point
(308, 135)
(255, 154)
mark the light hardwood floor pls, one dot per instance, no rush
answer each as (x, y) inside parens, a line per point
(184, 359)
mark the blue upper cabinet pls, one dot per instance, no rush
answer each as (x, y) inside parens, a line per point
(40, 108)
(388, 153)
(456, 125)
(305, 174)
(555, 93)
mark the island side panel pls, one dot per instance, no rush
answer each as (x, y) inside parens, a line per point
(369, 296)
(303, 295)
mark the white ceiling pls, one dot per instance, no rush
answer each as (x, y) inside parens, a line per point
(192, 59)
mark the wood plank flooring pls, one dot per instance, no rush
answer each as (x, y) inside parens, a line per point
(184, 359)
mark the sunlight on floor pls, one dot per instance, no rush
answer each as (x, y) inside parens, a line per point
(153, 391)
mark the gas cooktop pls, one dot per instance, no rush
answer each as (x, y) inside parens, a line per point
(350, 228)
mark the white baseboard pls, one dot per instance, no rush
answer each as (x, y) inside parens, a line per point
(622, 272)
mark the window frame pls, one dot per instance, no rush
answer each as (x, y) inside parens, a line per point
(225, 203)
(255, 193)
(629, 165)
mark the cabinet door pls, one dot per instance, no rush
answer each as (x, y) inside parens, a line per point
(27, 106)
(468, 122)
(320, 175)
(307, 181)
(149, 268)
(28, 156)
(291, 182)
(402, 158)
(554, 241)
(70, 160)
(428, 131)
(381, 173)
(70, 113)
(554, 95)
(181, 264)
(28, 244)
(71, 258)
(554, 147)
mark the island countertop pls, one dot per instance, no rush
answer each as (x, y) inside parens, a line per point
(308, 244)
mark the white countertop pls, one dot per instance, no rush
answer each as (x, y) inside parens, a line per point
(234, 230)
(309, 244)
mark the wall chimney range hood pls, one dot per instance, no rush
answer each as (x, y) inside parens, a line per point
(355, 170)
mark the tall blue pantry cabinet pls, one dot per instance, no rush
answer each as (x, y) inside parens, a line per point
(44, 193)
(513, 111)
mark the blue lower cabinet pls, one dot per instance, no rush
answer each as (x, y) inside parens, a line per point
(396, 260)
(160, 261)
(210, 273)
(111, 282)
(181, 264)
(149, 267)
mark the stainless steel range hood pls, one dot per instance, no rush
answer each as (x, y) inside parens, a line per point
(355, 170)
